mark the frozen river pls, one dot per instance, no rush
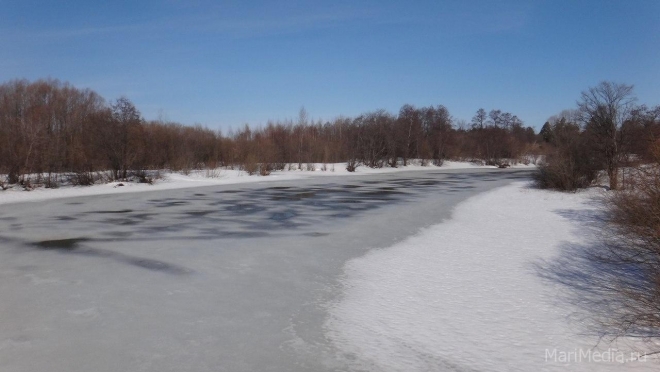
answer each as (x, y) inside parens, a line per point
(222, 278)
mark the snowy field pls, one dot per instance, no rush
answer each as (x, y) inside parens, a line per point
(467, 294)
(220, 176)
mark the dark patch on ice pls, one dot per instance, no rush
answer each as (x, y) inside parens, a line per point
(172, 203)
(243, 234)
(198, 213)
(113, 212)
(244, 209)
(66, 218)
(165, 228)
(459, 188)
(73, 246)
(347, 201)
(143, 216)
(380, 193)
(155, 265)
(281, 216)
(294, 197)
(316, 234)
(60, 244)
(118, 233)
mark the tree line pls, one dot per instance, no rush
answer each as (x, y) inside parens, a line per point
(52, 128)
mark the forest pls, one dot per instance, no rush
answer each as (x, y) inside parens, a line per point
(62, 133)
(54, 129)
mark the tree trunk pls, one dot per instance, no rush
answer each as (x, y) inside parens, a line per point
(613, 173)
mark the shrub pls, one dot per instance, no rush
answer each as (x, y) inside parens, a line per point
(438, 162)
(250, 165)
(212, 173)
(82, 178)
(634, 215)
(277, 166)
(51, 182)
(13, 177)
(143, 177)
(264, 169)
(351, 165)
(565, 174)
(26, 182)
(569, 167)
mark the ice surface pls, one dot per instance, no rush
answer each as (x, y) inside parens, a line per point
(218, 278)
(172, 180)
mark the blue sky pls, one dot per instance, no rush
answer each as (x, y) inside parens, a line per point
(225, 63)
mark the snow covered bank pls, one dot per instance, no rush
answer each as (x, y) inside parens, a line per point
(173, 180)
(464, 295)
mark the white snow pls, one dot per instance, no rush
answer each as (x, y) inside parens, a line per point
(464, 295)
(173, 180)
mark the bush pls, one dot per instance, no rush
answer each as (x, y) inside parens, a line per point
(51, 182)
(250, 165)
(82, 179)
(278, 166)
(351, 165)
(143, 177)
(564, 174)
(634, 241)
(212, 173)
(26, 182)
(13, 177)
(438, 162)
(571, 166)
(264, 169)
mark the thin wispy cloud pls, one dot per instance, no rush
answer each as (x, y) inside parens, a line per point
(205, 23)
(278, 25)
(222, 23)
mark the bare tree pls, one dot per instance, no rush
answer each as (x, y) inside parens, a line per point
(495, 118)
(603, 110)
(125, 119)
(479, 119)
(409, 128)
